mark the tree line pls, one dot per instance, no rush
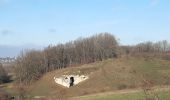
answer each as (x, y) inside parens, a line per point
(160, 48)
(32, 64)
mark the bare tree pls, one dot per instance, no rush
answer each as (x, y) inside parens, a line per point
(31, 65)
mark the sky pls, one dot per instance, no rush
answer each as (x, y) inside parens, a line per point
(39, 23)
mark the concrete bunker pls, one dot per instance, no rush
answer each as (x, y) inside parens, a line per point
(70, 80)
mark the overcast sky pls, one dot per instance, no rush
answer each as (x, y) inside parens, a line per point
(44, 22)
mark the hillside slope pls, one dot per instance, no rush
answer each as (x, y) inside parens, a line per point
(108, 75)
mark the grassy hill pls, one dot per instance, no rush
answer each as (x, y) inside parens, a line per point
(107, 75)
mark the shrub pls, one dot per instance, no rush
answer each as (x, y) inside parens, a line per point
(122, 86)
(3, 76)
(4, 95)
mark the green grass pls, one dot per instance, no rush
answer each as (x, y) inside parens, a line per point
(134, 96)
(151, 70)
(9, 88)
(127, 96)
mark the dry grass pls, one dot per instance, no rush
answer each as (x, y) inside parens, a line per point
(108, 75)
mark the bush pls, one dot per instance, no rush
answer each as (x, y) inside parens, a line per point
(3, 76)
(4, 95)
(122, 86)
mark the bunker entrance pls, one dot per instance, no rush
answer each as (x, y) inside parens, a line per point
(71, 81)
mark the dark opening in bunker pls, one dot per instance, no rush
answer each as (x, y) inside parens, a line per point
(71, 81)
